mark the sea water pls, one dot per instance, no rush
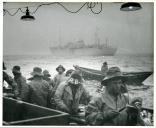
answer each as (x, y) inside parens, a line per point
(126, 63)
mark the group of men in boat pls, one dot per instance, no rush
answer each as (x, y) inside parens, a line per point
(66, 92)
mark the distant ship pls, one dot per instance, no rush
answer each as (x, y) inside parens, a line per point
(79, 48)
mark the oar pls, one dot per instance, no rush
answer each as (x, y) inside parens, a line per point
(143, 88)
(78, 120)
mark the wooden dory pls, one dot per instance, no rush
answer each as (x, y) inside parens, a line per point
(132, 78)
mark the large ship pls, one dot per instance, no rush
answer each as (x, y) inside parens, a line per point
(79, 48)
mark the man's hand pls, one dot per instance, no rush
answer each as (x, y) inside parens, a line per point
(111, 114)
(145, 118)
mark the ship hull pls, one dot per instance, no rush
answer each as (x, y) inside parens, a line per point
(84, 52)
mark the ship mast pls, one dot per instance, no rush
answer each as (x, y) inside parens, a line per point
(106, 42)
(59, 39)
(97, 40)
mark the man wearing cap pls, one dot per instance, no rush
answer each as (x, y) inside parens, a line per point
(110, 107)
(46, 77)
(38, 89)
(70, 94)
(10, 82)
(21, 82)
(60, 76)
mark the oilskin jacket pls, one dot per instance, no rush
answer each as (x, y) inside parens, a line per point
(97, 111)
(66, 102)
(58, 79)
(21, 86)
(11, 83)
(38, 92)
(50, 81)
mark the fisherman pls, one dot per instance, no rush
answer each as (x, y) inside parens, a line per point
(10, 81)
(64, 77)
(60, 77)
(46, 77)
(70, 94)
(104, 68)
(39, 89)
(109, 108)
(21, 82)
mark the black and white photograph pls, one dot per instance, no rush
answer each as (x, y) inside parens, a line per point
(78, 64)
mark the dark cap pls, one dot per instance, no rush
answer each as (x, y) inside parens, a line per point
(16, 69)
(76, 75)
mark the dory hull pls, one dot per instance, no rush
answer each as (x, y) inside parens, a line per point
(22, 113)
(132, 78)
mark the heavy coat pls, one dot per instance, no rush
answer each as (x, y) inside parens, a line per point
(64, 98)
(11, 83)
(98, 107)
(39, 92)
(21, 86)
(50, 81)
(58, 79)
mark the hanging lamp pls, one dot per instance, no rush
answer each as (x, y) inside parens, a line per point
(130, 6)
(27, 16)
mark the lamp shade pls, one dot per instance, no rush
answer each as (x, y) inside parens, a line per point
(27, 16)
(130, 6)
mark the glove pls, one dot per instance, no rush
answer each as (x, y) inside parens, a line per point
(110, 114)
(131, 109)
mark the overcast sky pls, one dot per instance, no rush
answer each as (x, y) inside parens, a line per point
(131, 32)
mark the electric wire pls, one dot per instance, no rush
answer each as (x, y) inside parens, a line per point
(98, 11)
(61, 6)
(6, 11)
(90, 5)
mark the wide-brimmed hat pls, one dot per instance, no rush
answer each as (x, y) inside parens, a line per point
(37, 71)
(46, 73)
(60, 66)
(113, 73)
(16, 69)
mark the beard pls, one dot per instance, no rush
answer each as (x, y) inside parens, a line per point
(74, 85)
